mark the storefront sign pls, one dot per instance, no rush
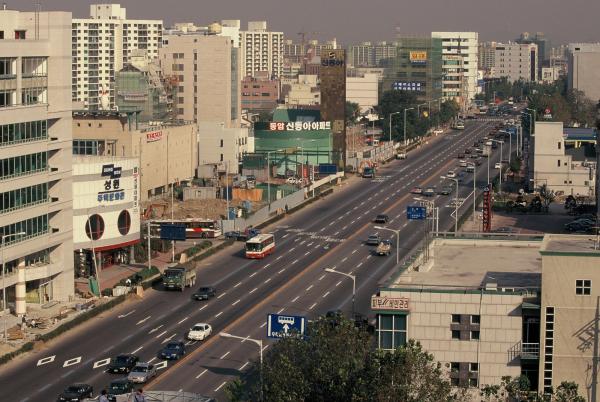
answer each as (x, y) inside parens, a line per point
(408, 86)
(112, 186)
(300, 125)
(136, 175)
(389, 303)
(154, 136)
(418, 57)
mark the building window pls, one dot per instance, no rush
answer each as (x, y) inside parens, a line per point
(94, 227)
(23, 197)
(221, 143)
(456, 334)
(583, 287)
(464, 374)
(23, 165)
(19, 34)
(559, 145)
(124, 222)
(221, 157)
(31, 227)
(475, 335)
(391, 331)
(558, 163)
(475, 319)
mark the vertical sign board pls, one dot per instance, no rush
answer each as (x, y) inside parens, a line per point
(414, 212)
(281, 326)
(169, 231)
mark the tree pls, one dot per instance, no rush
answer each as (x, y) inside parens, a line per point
(352, 112)
(568, 391)
(336, 362)
(519, 389)
(547, 195)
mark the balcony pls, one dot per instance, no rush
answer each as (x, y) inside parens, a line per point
(524, 351)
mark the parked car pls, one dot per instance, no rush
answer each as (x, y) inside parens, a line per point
(199, 332)
(173, 350)
(417, 190)
(373, 240)
(429, 191)
(122, 364)
(76, 393)
(498, 165)
(142, 372)
(119, 387)
(204, 293)
(382, 218)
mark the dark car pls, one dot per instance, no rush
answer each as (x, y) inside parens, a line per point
(429, 191)
(122, 364)
(382, 218)
(446, 190)
(76, 393)
(467, 151)
(204, 293)
(460, 156)
(119, 387)
(373, 240)
(174, 350)
(232, 234)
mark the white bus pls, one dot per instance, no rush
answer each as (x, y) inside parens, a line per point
(260, 246)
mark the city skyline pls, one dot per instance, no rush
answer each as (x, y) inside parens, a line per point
(356, 21)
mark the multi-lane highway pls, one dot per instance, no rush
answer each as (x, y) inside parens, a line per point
(327, 234)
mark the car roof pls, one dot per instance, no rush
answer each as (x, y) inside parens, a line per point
(143, 364)
(200, 323)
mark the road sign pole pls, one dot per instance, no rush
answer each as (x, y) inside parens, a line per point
(149, 249)
(262, 384)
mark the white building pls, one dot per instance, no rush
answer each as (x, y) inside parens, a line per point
(584, 68)
(101, 45)
(222, 145)
(261, 50)
(106, 211)
(302, 91)
(460, 51)
(36, 216)
(364, 90)
(516, 61)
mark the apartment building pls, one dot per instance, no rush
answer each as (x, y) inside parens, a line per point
(460, 55)
(367, 54)
(259, 93)
(486, 59)
(101, 45)
(583, 60)
(516, 61)
(261, 50)
(36, 215)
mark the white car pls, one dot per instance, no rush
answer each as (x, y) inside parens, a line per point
(451, 174)
(199, 332)
(498, 165)
(462, 163)
(438, 131)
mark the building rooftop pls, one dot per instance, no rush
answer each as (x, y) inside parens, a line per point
(477, 264)
(570, 244)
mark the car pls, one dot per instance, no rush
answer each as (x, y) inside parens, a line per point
(233, 234)
(438, 131)
(476, 144)
(429, 191)
(204, 293)
(479, 150)
(577, 227)
(478, 162)
(174, 350)
(584, 221)
(470, 169)
(498, 165)
(462, 163)
(417, 190)
(446, 190)
(467, 151)
(460, 156)
(384, 248)
(473, 156)
(120, 386)
(451, 174)
(142, 372)
(76, 393)
(382, 218)
(373, 240)
(401, 155)
(122, 364)
(199, 332)
(504, 229)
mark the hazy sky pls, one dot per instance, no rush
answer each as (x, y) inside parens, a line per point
(352, 21)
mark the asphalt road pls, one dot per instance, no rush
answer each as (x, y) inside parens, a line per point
(330, 233)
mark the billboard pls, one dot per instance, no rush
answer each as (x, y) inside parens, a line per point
(416, 86)
(295, 126)
(418, 57)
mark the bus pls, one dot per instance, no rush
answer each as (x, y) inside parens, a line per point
(195, 228)
(260, 246)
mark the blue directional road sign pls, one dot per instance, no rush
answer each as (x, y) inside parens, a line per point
(414, 212)
(172, 232)
(281, 326)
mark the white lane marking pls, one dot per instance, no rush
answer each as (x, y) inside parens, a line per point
(279, 258)
(225, 355)
(160, 365)
(336, 233)
(344, 259)
(151, 360)
(296, 298)
(182, 320)
(322, 276)
(203, 307)
(311, 307)
(279, 312)
(216, 316)
(354, 251)
(168, 339)
(72, 361)
(253, 290)
(237, 284)
(369, 256)
(326, 294)
(46, 360)
(281, 270)
(220, 386)
(267, 265)
(303, 241)
(201, 374)
(143, 320)
(125, 315)
(155, 329)
(307, 253)
(285, 235)
(309, 288)
(267, 281)
(253, 274)
(309, 244)
(221, 295)
(338, 284)
(243, 366)
(359, 265)
(161, 334)
(236, 302)
(101, 363)
(263, 325)
(137, 350)
(293, 262)
(292, 249)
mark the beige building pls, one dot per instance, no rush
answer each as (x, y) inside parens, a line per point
(584, 69)
(168, 153)
(363, 89)
(301, 91)
(36, 216)
(564, 159)
(514, 61)
(261, 50)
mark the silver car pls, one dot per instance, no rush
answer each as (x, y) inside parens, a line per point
(142, 372)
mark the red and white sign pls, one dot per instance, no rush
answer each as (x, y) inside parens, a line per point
(389, 303)
(154, 136)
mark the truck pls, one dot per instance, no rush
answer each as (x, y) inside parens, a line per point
(384, 248)
(487, 149)
(179, 277)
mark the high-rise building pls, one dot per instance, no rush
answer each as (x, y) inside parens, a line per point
(101, 45)
(543, 44)
(459, 67)
(36, 213)
(332, 75)
(584, 69)
(516, 61)
(487, 57)
(367, 54)
(261, 50)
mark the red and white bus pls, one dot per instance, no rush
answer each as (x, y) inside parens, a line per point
(195, 228)
(260, 246)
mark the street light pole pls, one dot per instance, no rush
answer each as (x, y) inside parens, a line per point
(405, 110)
(269, 175)
(455, 203)
(259, 342)
(4, 280)
(474, 187)
(391, 114)
(500, 182)
(397, 233)
(353, 277)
